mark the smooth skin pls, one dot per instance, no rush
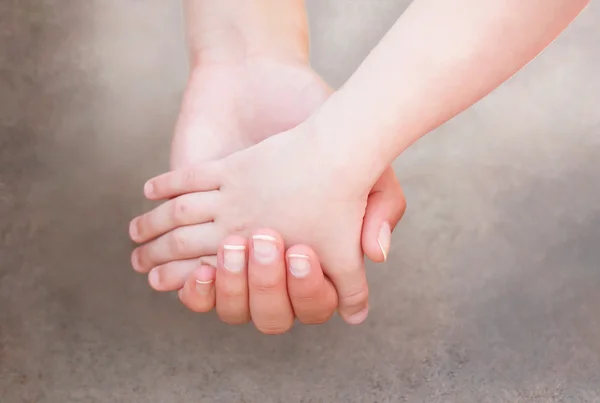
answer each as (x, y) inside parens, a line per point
(438, 59)
(280, 285)
(250, 78)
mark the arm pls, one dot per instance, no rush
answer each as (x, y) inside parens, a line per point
(230, 31)
(437, 60)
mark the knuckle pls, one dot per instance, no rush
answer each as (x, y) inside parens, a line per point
(267, 282)
(305, 296)
(189, 179)
(179, 243)
(267, 288)
(239, 228)
(180, 210)
(231, 291)
(355, 299)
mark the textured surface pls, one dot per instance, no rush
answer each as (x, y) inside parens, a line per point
(491, 287)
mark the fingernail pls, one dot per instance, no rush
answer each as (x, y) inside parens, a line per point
(299, 265)
(148, 189)
(385, 239)
(203, 287)
(264, 248)
(135, 261)
(133, 229)
(154, 278)
(234, 257)
(359, 317)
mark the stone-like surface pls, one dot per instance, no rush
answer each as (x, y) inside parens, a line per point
(489, 293)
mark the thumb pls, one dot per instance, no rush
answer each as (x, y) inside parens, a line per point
(385, 207)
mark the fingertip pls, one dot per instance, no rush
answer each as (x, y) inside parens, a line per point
(303, 250)
(149, 190)
(134, 234)
(357, 318)
(313, 296)
(234, 242)
(135, 262)
(154, 279)
(233, 254)
(204, 274)
(374, 247)
(299, 265)
(267, 250)
(354, 301)
(266, 236)
(198, 292)
(385, 207)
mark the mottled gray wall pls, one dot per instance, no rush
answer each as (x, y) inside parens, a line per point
(490, 292)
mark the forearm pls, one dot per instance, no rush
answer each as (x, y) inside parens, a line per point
(232, 31)
(439, 58)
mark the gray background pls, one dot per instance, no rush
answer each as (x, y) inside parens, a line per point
(489, 293)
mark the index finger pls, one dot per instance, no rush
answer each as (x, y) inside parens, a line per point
(200, 178)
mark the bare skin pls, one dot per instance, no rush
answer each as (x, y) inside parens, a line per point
(282, 286)
(233, 101)
(436, 64)
(294, 92)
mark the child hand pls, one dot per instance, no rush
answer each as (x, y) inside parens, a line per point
(284, 183)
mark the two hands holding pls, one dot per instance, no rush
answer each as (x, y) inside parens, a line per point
(218, 208)
(279, 186)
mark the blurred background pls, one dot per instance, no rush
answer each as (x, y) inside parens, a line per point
(489, 293)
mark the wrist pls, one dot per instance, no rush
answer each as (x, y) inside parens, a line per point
(234, 32)
(348, 142)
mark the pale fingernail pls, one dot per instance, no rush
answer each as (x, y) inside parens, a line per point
(133, 229)
(234, 257)
(385, 239)
(148, 189)
(135, 261)
(359, 317)
(264, 248)
(154, 278)
(299, 265)
(203, 287)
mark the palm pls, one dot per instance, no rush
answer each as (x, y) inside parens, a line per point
(229, 108)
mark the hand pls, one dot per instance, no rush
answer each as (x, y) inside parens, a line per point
(283, 183)
(227, 108)
(250, 284)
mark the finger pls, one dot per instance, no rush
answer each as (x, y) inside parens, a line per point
(313, 296)
(187, 209)
(171, 276)
(350, 282)
(209, 260)
(198, 293)
(180, 244)
(201, 178)
(270, 306)
(232, 281)
(385, 207)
